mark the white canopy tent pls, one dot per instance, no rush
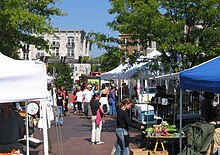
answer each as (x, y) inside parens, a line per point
(126, 71)
(114, 74)
(153, 54)
(23, 81)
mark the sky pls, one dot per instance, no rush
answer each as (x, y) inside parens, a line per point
(89, 15)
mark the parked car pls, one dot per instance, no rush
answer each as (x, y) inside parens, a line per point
(148, 93)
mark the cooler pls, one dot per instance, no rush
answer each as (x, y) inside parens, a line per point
(144, 112)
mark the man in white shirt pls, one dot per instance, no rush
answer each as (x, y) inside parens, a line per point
(79, 99)
(87, 93)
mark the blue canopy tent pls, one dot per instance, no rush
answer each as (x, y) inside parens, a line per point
(203, 77)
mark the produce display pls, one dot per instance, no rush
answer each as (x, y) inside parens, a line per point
(13, 152)
(164, 129)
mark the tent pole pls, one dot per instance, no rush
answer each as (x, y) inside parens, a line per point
(129, 86)
(45, 127)
(27, 130)
(121, 89)
(180, 118)
(142, 90)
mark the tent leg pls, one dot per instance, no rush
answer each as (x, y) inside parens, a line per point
(27, 130)
(181, 103)
(46, 151)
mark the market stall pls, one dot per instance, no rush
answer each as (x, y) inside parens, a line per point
(203, 77)
(23, 81)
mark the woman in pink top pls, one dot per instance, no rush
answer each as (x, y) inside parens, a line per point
(74, 97)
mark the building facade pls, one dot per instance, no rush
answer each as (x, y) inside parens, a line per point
(66, 46)
(134, 49)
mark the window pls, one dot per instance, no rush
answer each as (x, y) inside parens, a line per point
(70, 41)
(39, 54)
(26, 56)
(70, 52)
(55, 52)
(75, 68)
(56, 41)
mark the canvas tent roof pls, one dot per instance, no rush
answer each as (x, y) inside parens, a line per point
(153, 54)
(204, 77)
(22, 80)
(127, 72)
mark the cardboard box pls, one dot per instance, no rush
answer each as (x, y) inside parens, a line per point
(159, 153)
(139, 152)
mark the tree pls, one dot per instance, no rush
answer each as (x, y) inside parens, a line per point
(113, 56)
(187, 31)
(190, 33)
(23, 21)
(62, 74)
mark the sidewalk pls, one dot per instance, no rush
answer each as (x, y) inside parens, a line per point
(76, 133)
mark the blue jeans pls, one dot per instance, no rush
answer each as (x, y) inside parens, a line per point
(59, 115)
(112, 108)
(120, 147)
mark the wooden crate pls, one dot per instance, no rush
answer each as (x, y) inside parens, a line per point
(158, 153)
(139, 152)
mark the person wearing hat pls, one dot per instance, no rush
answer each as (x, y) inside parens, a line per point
(87, 96)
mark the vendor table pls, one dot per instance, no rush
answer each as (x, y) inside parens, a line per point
(160, 139)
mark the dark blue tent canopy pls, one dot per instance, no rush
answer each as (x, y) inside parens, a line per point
(204, 77)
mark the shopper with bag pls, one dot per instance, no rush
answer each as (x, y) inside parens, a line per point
(123, 123)
(97, 119)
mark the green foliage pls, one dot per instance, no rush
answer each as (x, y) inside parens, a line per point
(110, 60)
(113, 55)
(85, 59)
(187, 32)
(191, 32)
(62, 74)
(24, 20)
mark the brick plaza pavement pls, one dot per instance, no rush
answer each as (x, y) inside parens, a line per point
(76, 133)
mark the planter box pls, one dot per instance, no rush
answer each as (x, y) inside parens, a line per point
(139, 152)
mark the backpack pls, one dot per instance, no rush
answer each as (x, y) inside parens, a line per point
(199, 137)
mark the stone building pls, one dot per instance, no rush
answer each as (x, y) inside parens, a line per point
(66, 46)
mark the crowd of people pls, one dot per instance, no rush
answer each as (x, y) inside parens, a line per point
(95, 104)
(82, 95)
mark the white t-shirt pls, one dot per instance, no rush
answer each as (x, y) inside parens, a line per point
(79, 96)
(88, 95)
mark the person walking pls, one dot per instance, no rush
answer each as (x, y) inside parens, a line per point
(104, 98)
(112, 101)
(87, 96)
(66, 97)
(60, 100)
(96, 89)
(97, 119)
(79, 99)
(74, 97)
(123, 123)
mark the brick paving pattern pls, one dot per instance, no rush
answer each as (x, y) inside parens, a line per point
(76, 133)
